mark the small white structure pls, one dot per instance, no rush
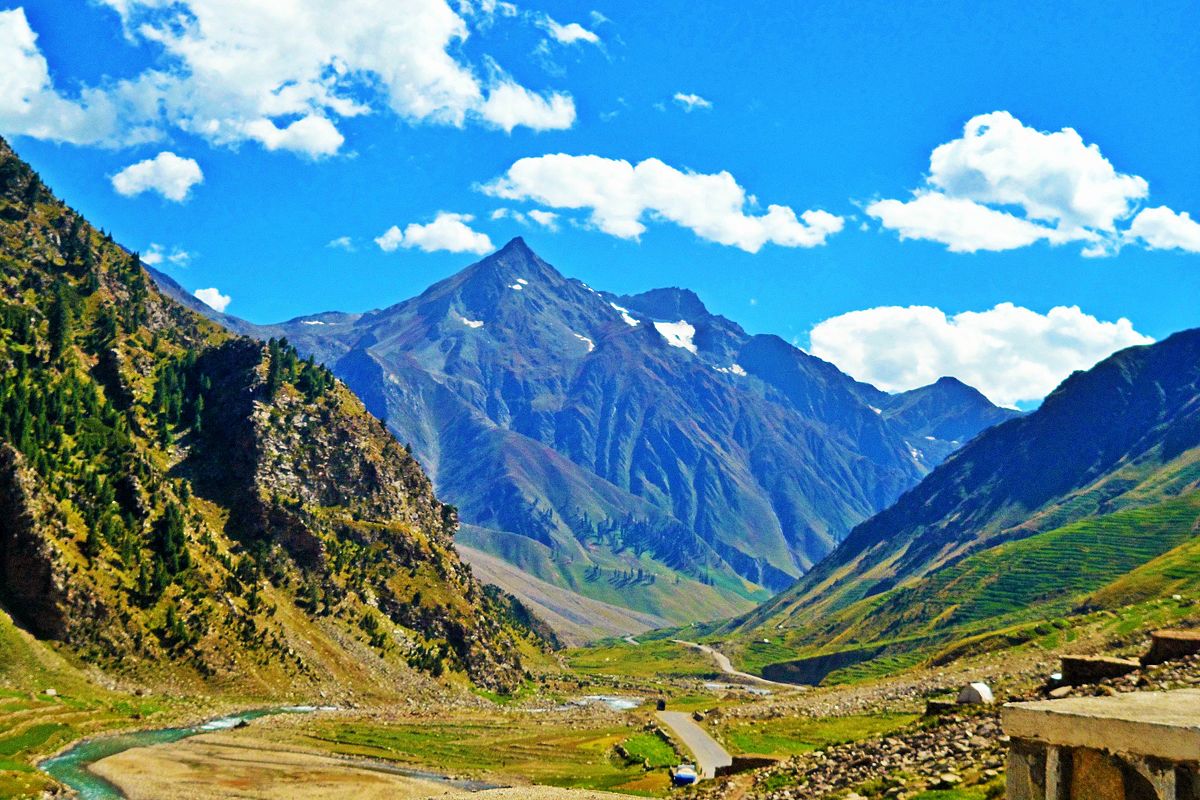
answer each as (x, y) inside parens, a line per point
(974, 694)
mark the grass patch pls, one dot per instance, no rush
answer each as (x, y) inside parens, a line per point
(651, 750)
(793, 735)
(652, 659)
(30, 738)
(555, 754)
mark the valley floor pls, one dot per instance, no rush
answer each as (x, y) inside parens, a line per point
(572, 728)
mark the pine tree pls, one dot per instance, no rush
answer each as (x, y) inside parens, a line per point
(59, 319)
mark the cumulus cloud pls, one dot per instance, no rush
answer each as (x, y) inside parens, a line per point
(449, 232)
(1009, 353)
(511, 104)
(547, 219)
(31, 106)
(690, 102)
(314, 136)
(620, 195)
(1004, 185)
(963, 225)
(156, 255)
(167, 174)
(341, 243)
(280, 74)
(571, 33)
(1162, 229)
(213, 299)
(510, 213)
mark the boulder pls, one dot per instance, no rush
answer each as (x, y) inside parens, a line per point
(976, 694)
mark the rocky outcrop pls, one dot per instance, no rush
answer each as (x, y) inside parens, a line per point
(32, 579)
(180, 503)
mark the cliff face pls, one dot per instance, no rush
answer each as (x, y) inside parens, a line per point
(183, 504)
(30, 576)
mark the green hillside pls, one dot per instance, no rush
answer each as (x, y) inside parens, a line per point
(1105, 562)
(183, 507)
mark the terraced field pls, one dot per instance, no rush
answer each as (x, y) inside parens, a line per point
(1110, 561)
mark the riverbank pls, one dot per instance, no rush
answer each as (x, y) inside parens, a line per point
(222, 765)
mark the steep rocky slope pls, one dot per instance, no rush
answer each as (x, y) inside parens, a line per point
(179, 504)
(639, 451)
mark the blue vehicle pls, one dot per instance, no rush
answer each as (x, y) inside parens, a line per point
(684, 775)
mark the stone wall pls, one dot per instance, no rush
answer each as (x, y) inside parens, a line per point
(1143, 746)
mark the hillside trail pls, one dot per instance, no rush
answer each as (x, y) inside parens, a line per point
(726, 666)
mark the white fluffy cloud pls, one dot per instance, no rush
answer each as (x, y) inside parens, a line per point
(571, 33)
(1162, 229)
(547, 219)
(1004, 185)
(342, 243)
(620, 195)
(168, 174)
(213, 298)
(963, 225)
(690, 102)
(450, 232)
(29, 103)
(282, 73)
(313, 135)
(1009, 353)
(511, 104)
(156, 255)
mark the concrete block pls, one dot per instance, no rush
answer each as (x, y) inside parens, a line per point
(1080, 670)
(1170, 645)
(1157, 725)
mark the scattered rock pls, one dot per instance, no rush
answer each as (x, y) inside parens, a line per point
(975, 694)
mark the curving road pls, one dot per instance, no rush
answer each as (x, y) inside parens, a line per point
(708, 752)
(726, 666)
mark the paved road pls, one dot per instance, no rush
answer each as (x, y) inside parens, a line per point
(709, 754)
(726, 666)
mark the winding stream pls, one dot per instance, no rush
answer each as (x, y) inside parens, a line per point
(71, 766)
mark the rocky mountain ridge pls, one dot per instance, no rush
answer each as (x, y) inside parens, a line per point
(180, 505)
(630, 449)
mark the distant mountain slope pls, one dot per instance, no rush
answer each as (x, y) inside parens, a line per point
(180, 505)
(637, 450)
(1028, 518)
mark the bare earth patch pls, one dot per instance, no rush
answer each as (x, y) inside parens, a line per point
(224, 766)
(236, 765)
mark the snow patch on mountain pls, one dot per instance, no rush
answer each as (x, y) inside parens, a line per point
(678, 334)
(732, 369)
(471, 323)
(624, 312)
(590, 344)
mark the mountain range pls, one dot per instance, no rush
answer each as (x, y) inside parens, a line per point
(625, 462)
(1092, 501)
(180, 504)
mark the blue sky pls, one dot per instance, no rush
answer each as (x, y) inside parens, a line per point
(816, 107)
